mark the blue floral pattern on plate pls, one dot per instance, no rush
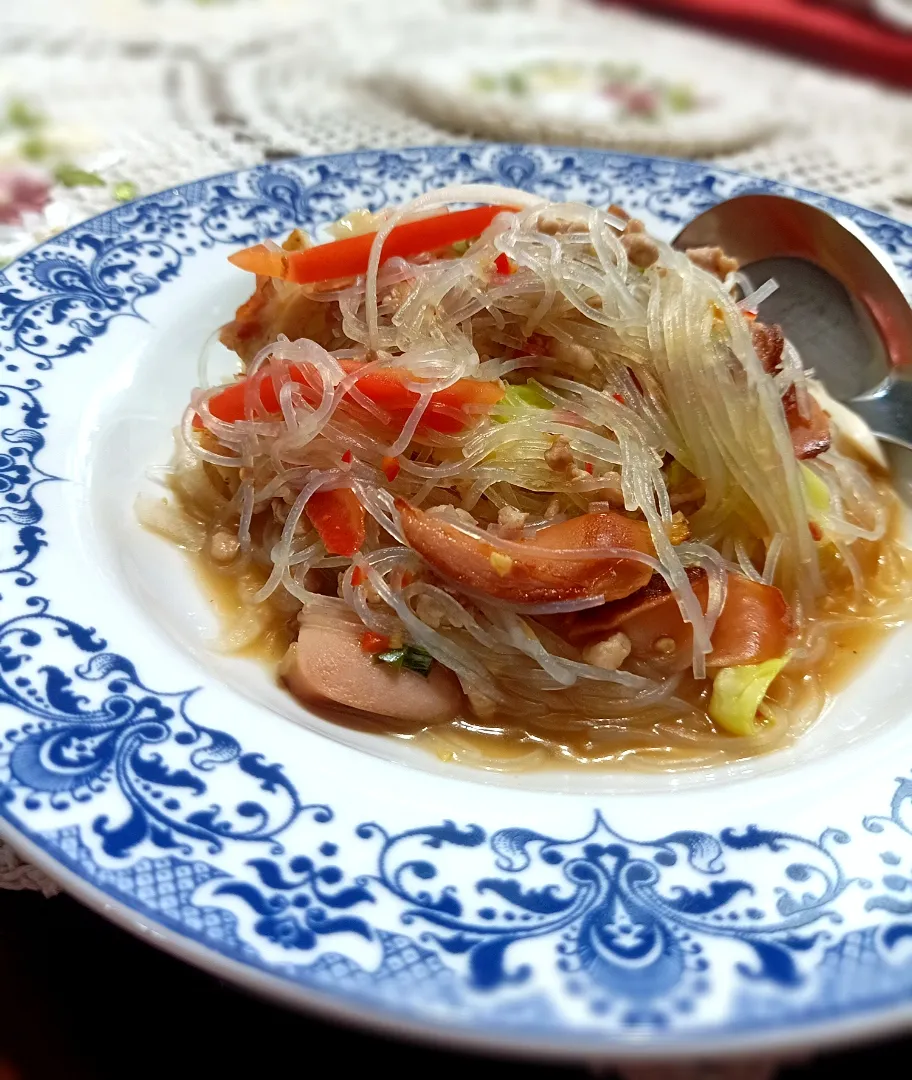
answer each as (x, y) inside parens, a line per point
(499, 931)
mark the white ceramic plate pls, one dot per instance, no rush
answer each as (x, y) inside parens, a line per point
(757, 907)
(611, 93)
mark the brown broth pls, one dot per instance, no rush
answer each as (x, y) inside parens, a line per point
(663, 740)
(226, 588)
(839, 637)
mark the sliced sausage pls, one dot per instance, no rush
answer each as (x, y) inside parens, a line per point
(754, 624)
(532, 575)
(328, 666)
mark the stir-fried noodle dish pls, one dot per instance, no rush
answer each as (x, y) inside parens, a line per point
(527, 485)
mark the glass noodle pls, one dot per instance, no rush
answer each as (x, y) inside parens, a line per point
(647, 376)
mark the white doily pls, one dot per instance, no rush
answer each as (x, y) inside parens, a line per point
(832, 132)
(17, 875)
(150, 93)
(434, 76)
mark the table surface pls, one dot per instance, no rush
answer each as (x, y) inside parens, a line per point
(51, 1029)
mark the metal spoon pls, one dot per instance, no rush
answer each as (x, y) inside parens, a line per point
(839, 302)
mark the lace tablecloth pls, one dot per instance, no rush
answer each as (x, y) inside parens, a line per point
(101, 100)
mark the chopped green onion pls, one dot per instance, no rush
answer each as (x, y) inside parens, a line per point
(412, 658)
(73, 176)
(418, 660)
(125, 191)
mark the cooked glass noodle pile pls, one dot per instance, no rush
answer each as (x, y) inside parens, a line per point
(544, 484)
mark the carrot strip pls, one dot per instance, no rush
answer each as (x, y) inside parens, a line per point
(385, 387)
(349, 257)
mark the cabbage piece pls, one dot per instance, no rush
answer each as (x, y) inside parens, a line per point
(518, 398)
(816, 493)
(817, 500)
(738, 691)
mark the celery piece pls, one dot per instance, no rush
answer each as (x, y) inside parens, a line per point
(737, 693)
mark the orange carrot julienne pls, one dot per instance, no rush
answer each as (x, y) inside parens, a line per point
(349, 257)
(386, 387)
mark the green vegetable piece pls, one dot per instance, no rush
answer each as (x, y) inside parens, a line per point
(738, 691)
(529, 395)
(411, 658)
(676, 474)
(125, 191)
(417, 659)
(817, 501)
(19, 114)
(72, 176)
(817, 494)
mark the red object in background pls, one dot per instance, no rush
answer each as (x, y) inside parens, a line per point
(829, 34)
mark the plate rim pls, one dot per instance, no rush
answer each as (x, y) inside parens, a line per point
(861, 1024)
(818, 1036)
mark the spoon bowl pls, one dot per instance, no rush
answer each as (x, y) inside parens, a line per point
(840, 301)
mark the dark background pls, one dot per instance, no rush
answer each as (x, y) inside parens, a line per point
(81, 999)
